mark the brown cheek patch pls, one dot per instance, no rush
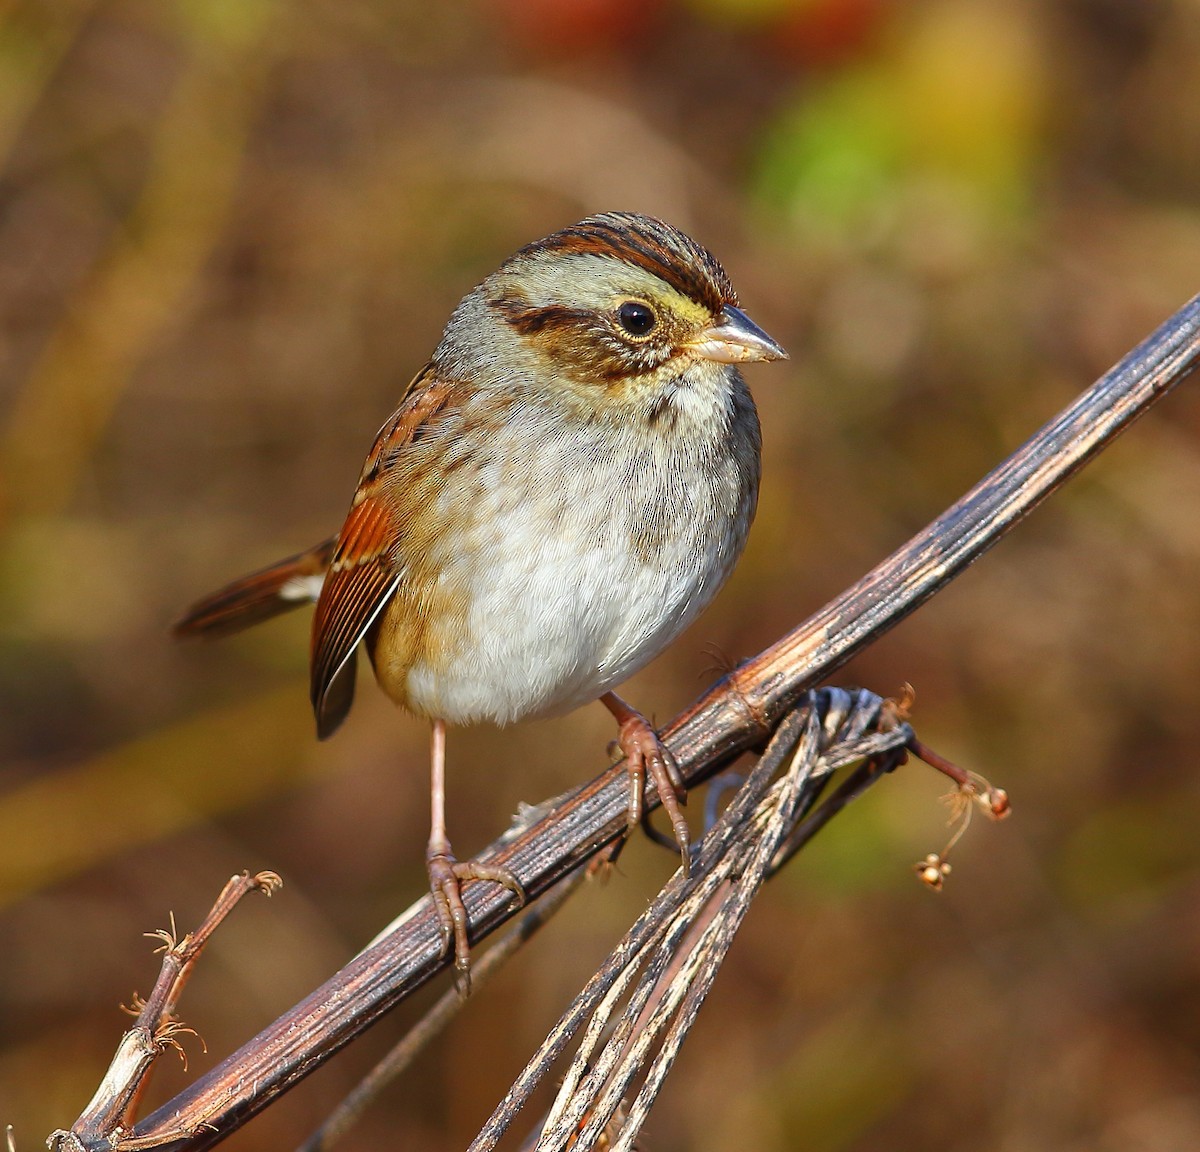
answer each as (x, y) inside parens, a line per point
(567, 337)
(573, 340)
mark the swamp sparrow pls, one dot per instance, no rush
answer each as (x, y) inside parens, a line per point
(563, 488)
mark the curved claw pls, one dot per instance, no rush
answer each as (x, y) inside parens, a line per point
(446, 876)
(646, 754)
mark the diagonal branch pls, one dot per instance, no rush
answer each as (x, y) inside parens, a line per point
(665, 965)
(739, 713)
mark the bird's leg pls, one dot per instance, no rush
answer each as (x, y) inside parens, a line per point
(446, 874)
(646, 753)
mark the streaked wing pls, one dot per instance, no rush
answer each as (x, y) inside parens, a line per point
(364, 571)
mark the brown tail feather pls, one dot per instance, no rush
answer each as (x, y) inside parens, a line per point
(256, 597)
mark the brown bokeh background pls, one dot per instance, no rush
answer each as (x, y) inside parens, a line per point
(229, 232)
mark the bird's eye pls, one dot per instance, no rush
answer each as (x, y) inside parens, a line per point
(636, 318)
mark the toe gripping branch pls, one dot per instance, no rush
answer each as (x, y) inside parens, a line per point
(638, 1008)
(655, 980)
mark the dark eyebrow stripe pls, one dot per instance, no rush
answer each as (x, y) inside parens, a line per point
(529, 319)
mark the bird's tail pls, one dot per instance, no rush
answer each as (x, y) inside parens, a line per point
(259, 596)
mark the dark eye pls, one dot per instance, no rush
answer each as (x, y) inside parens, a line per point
(636, 318)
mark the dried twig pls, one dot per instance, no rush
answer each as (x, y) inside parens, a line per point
(739, 713)
(666, 964)
(105, 1120)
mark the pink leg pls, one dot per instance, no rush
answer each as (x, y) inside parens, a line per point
(645, 753)
(446, 873)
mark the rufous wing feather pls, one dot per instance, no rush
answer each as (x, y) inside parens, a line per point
(364, 570)
(259, 596)
(360, 582)
(352, 577)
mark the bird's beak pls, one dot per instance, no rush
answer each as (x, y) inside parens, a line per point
(734, 339)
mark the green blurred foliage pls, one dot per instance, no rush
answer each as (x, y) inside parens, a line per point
(229, 232)
(954, 100)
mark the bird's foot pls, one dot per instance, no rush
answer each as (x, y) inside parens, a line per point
(646, 754)
(446, 876)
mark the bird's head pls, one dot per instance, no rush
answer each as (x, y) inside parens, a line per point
(619, 305)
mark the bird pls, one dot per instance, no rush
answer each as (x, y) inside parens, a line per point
(561, 490)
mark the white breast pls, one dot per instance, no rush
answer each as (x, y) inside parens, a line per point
(590, 556)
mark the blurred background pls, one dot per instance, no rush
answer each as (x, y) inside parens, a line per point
(230, 231)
